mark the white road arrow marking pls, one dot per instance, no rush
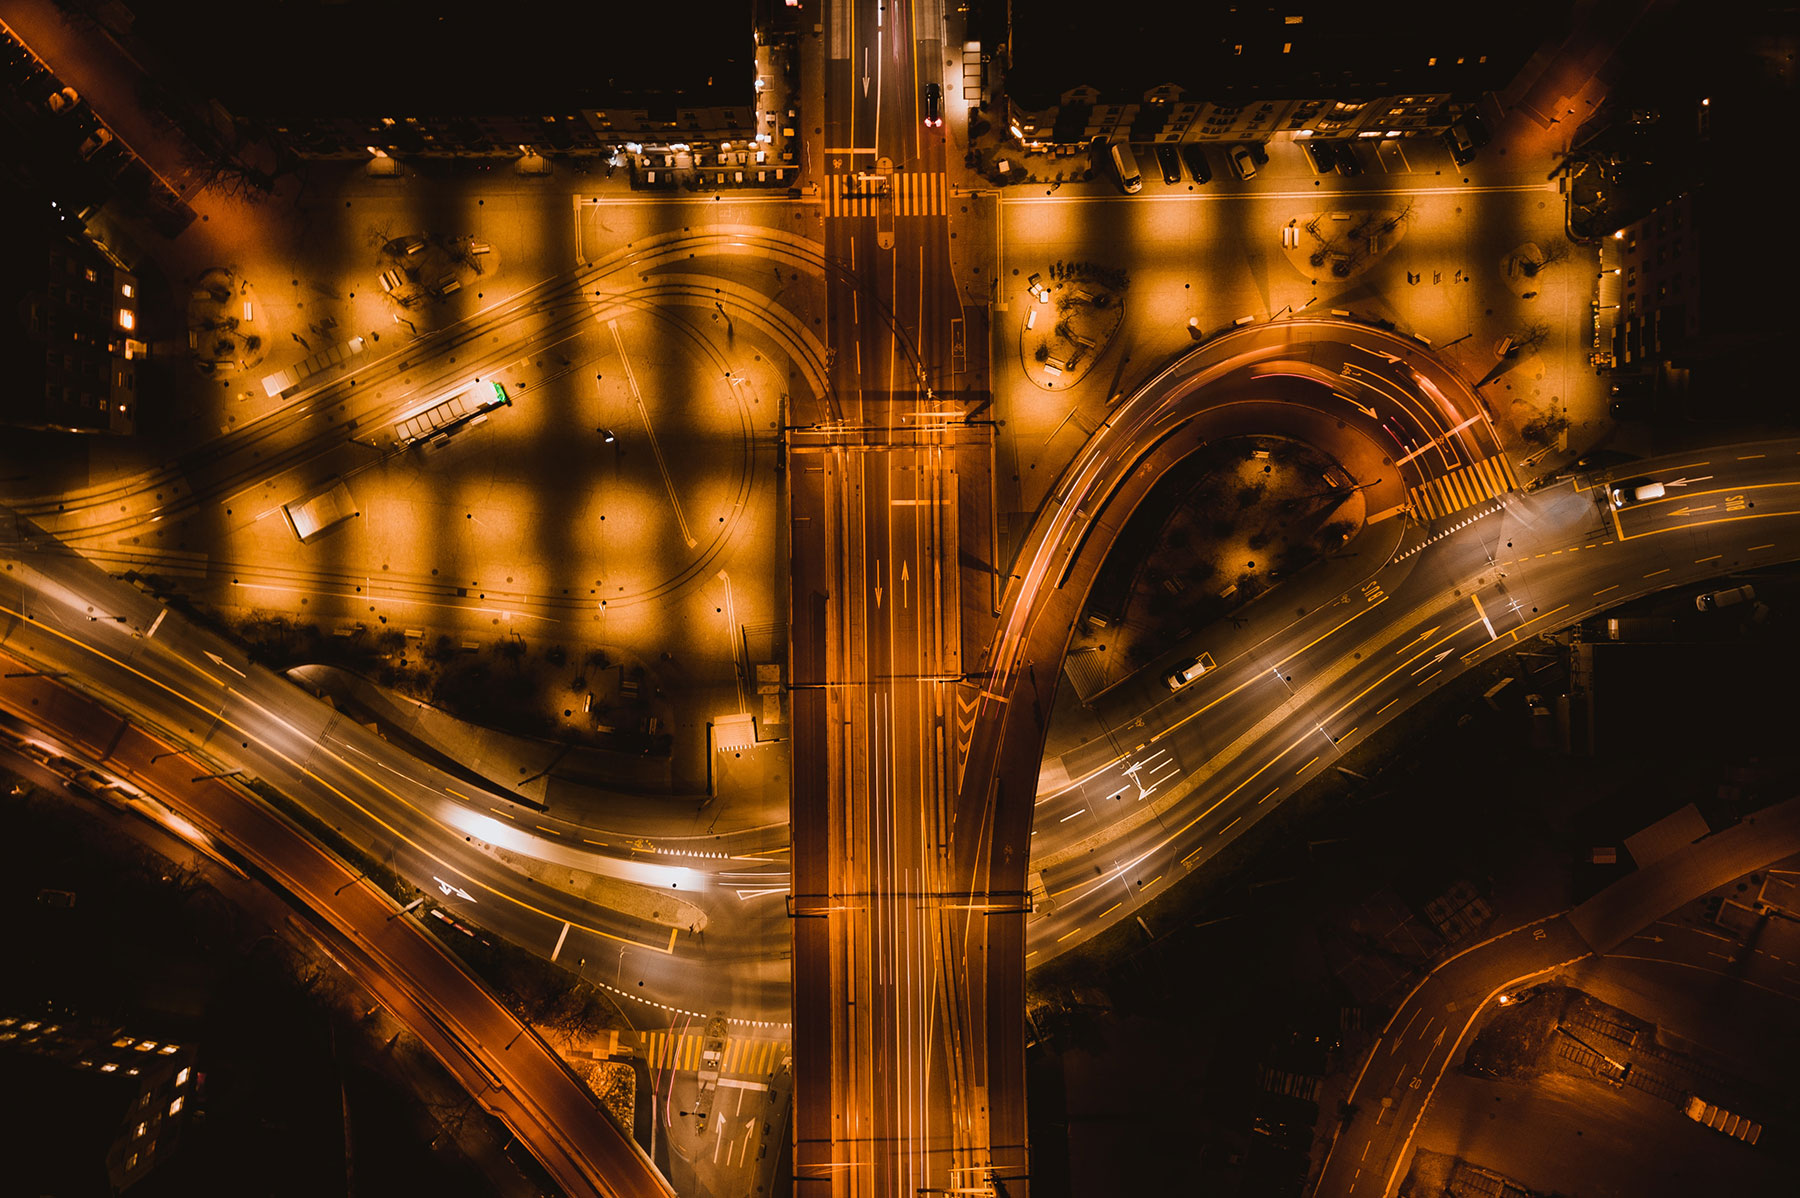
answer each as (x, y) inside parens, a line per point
(1433, 661)
(1363, 408)
(223, 664)
(1682, 482)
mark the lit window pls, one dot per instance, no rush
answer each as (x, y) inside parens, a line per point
(141, 1128)
(127, 290)
(91, 276)
(1287, 47)
(109, 1067)
(168, 1049)
(132, 1162)
(146, 1046)
(175, 1107)
(127, 320)
(181, 1078)
(1293, 20)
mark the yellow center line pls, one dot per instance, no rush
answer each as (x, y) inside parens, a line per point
(1603, 590)
(1268, 796)
(1305, 767)
(1535, 619)
(1760, 548)
(1715, 557)
(507, 814)
(1255, 677)
(1110, 909)
(1066, 935)
(1228, 827)
(1654, 573)
(552, 831)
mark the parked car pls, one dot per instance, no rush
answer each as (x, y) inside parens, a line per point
(934, 106)
(1195, 158)
(98, 140)
(1259, 153)
(1462, 146)
(1241, 166)
(1170, 164)
(1466, 137)
(1726, 598)
(1347, 165)
(1322, 153)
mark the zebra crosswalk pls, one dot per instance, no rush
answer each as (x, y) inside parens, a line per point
(912, 193)
(744, 1057)
(1464, 488)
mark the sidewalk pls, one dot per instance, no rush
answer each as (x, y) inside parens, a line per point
(595, 788)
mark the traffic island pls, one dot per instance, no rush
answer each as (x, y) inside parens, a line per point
(1069, 321)
(1239, 517)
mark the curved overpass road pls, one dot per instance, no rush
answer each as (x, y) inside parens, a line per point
(1272, 717)
(1401, 1072)
(514, 1074)
(1462, 588)
(443, 835)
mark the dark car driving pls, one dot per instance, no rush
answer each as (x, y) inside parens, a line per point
(934, 106)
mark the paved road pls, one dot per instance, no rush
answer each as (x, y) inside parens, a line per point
(477, 852)
(887, 1064)
(1428, 1029)
(509, 1069)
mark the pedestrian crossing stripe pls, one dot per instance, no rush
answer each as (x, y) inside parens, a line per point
(744, 1057)
(1464, 488)
(912, 193)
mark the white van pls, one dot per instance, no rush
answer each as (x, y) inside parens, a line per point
(1622, 495)
(1727, 598)
(1125, 168)
(1189, 672)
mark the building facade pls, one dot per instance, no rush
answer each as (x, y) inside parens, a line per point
(1255, 73)
(73, 338)
(95, 1108)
